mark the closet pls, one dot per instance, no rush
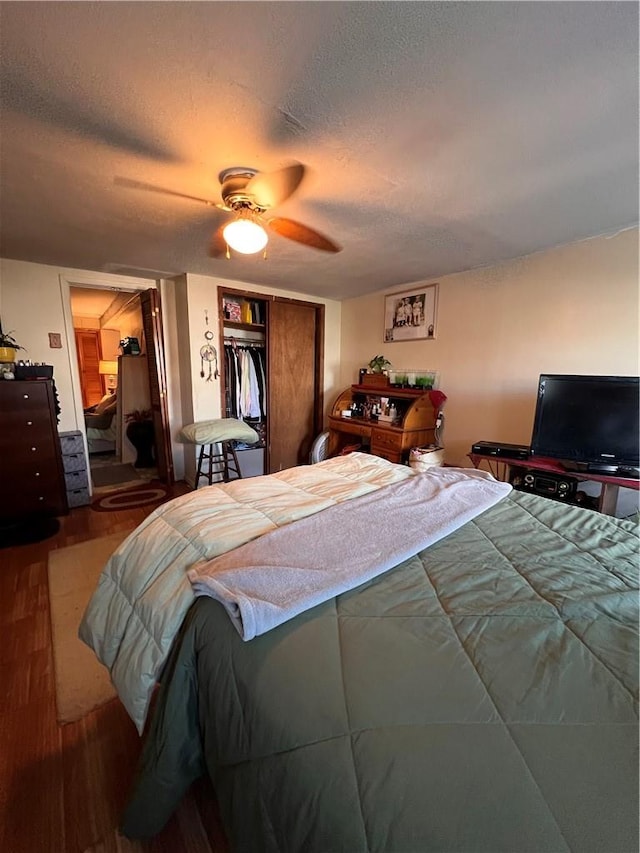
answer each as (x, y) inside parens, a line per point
(279, 343)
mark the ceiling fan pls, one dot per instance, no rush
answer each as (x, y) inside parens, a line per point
(249, 195)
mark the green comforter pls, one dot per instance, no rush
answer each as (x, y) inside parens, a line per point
(481, 696)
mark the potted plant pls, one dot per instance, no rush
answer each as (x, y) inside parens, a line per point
(378, 363)
(140, 433)
(8, 346)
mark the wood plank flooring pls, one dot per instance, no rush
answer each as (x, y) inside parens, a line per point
(62, 788)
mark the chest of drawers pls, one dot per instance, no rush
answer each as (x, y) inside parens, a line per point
(31, 472)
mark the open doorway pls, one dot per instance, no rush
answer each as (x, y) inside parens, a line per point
(115, 385)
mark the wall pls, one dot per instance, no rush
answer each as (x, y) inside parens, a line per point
(569, 310)
(34, 300)
(31, 304)
(572, 309)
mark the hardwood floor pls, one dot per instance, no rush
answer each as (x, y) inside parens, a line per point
(62, 789)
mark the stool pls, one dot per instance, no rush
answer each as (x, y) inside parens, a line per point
(226, 457)
(222, 431)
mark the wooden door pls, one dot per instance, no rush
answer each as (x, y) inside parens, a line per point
(89, 355)
(152, 325)
(295, 335)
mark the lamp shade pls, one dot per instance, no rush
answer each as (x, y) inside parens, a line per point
(245, 236)
(108, 368)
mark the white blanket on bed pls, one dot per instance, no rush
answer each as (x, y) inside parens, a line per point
(144, 592)
(272, 579)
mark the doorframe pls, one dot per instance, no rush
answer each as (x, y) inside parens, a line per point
(98, 281)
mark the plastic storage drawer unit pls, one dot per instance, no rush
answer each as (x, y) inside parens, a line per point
(74, 462)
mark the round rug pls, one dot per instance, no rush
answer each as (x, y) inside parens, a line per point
(131, 498)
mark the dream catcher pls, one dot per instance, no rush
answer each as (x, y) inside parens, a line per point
(208, 355)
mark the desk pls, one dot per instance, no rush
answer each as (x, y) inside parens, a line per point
(413, 427)
(500, 468)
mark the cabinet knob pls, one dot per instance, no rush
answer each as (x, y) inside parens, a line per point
(40, 498)
(29, 423)
(37, 474)
(33, 448)
(26, 396)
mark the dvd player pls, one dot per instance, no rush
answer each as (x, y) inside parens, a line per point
(494, 448)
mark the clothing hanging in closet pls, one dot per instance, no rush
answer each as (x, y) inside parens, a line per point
(245, 380)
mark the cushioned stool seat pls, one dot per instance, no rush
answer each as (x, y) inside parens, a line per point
(220, 431)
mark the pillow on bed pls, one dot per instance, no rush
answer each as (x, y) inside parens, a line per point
(222, 429)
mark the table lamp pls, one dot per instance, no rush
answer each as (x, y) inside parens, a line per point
(110, 370)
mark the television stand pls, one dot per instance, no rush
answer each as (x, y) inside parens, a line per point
(607, 500)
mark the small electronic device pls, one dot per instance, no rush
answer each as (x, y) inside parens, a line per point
(500, 449)
(556, 486)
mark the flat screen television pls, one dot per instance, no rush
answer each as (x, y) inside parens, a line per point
(589, 423)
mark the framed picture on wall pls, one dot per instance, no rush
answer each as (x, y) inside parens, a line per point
(411, 314)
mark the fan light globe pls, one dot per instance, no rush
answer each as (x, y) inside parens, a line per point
(245, 236)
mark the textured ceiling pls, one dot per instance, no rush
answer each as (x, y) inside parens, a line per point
(439, 136)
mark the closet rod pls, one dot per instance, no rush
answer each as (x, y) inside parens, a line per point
(244, 342)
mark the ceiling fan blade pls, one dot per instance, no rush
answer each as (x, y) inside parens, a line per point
(218, 245)
(141, 185)
(302, 234)
(269, 189)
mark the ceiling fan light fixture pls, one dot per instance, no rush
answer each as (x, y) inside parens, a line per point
(245, 236)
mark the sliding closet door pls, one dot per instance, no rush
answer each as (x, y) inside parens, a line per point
(294, 367)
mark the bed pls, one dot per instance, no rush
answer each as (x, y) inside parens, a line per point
(482, 695)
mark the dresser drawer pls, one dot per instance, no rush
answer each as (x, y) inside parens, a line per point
(18, 423)
(34, 477)
(75, 480)
(385, 439)
(73, 462)
(349, 427)
(46, 499)
(71, 442)
(78, 497)
(26, 437)
(21, 443)
(25, 397)
(24, 456)
(391, 455)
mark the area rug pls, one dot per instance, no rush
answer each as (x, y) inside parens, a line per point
(82, 683)
(149, 493)
(110, 475)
